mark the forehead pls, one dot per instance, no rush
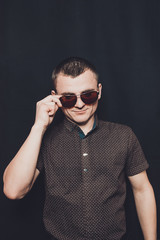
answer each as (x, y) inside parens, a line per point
(86, 80)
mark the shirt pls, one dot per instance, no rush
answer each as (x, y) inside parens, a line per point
(85, 179)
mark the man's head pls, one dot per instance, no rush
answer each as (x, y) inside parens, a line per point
(73, 67)
(74, 77)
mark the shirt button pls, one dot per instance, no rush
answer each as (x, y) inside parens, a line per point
(85, 170)
(85, 154)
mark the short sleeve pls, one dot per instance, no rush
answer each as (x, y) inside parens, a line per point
(40, 162)
(136, 161)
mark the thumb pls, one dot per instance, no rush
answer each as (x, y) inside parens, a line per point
(53, 92)
(52, 111)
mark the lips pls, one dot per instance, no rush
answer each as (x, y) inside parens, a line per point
(81, 111)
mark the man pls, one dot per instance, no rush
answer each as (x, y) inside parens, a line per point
(85, 162)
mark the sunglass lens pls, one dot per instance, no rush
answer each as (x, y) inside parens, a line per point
(68, 101)
(89, 97)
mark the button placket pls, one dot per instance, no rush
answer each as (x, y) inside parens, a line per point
(86, 173)
(85, 159)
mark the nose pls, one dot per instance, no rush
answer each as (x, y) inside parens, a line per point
(79, 103)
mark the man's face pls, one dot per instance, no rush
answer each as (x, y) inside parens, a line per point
(81, 113)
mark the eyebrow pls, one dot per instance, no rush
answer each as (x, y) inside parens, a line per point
(72, 93)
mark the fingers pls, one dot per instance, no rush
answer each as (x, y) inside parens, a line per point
(52, 108)
(46, 110)
(56, 97)
(52, 98)
(56, 100)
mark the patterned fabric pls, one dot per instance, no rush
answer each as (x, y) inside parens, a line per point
(85, 179)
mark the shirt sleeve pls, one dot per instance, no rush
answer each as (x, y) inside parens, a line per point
(40, 161)
(136, 161)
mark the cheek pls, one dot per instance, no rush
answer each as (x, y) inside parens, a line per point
(94, 106)
(66, 111)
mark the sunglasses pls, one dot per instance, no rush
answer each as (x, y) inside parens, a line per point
(68, 101)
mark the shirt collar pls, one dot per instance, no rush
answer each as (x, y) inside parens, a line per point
(71, 126)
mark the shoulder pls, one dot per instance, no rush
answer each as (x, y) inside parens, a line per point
(115, 132)
(53, 130)
(120, 133)
(114, 127)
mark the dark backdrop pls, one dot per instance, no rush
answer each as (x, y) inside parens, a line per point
(121, 37)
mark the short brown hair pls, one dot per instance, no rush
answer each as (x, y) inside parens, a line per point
(73, 66)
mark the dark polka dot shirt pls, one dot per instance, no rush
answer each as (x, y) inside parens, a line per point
(85, 179)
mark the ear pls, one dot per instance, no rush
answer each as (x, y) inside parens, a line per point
(53, 92)
(100, 90)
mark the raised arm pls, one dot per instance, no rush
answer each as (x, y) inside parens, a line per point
(21, 173)
(145, 205)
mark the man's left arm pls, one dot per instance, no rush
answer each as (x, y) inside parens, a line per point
(145, 204)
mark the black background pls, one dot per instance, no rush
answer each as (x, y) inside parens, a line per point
(121, 37)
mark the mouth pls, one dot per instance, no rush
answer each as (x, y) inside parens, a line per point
(80, 111)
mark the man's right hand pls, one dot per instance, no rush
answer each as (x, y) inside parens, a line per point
(46, 110)
(21, 172)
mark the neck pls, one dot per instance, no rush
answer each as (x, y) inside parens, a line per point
(85, 126)
(88, 126)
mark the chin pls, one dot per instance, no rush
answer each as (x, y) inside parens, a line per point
(81, 120)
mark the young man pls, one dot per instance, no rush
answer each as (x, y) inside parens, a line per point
(85, 162)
